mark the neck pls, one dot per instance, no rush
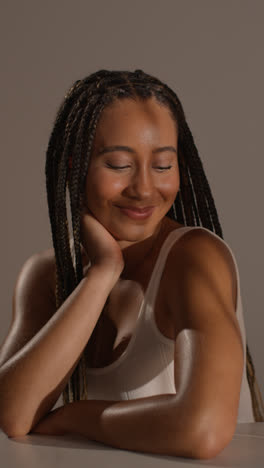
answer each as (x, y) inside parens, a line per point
(141, 253)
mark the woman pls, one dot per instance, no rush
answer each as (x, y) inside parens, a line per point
(122, 311)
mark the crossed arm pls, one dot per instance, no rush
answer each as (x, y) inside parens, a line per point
(143, 424)
(199, 420)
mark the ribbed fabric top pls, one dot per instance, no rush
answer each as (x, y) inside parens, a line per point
(146, 367)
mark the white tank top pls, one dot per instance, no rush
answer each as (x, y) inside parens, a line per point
(146, 367)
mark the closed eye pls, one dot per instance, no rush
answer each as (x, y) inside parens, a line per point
(162, 168)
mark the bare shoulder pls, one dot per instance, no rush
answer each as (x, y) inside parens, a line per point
(40, 269)
(201, 244)
(33, 302)
(198, 258)
(34, 291)
(45, 264)
(48, 264)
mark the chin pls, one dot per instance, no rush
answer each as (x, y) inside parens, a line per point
(133, 233)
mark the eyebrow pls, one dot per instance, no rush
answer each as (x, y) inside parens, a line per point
(128, 149)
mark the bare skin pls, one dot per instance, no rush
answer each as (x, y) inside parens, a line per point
(114, 244)
(145, 173)
(142, 129)
(116, 325)
(110, 236)
(194, 422)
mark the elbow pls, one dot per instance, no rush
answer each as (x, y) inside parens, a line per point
(12, 425)
(200, 444)
(13, 430)
(11, 422)
(208, 444)
(208, 447)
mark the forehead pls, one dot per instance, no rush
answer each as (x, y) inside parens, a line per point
(134, 120)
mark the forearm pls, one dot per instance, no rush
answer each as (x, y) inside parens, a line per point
(140, 424)
(32, 379)
(143, 424)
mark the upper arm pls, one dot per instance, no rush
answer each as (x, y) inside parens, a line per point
(32, 304)
(208, 356)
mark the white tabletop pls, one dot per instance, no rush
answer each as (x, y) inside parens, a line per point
(246, 450)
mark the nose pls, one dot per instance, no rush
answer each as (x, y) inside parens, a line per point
(141, 185)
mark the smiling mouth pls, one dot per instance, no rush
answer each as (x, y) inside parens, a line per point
(136, 213)
(137, 208)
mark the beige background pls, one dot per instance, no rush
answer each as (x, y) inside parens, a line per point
(210, 52)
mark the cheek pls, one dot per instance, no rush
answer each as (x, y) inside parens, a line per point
(101, 185)
(169, 187)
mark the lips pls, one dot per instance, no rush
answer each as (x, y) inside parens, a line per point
(137, 209)
(136, 213)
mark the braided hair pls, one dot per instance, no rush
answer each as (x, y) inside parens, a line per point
(67, 160)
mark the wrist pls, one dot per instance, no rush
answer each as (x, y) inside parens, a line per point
(107, 272)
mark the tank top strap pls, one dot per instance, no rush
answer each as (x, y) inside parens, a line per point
(154, 282)
(170, 240)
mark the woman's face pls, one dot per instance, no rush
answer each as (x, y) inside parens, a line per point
(133, 164)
